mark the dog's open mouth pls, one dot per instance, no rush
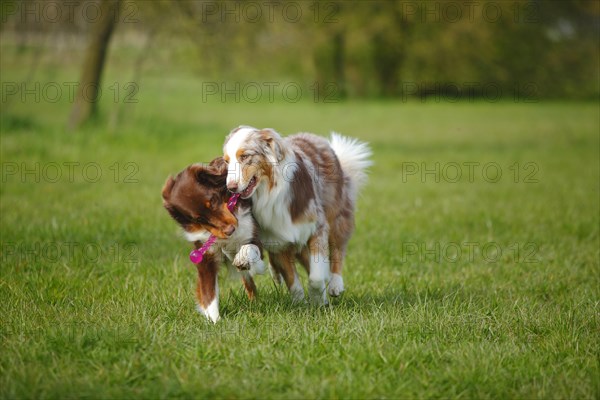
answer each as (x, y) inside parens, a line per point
(249, 189)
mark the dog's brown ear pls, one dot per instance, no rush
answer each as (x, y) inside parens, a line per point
(219, 165)
(209, 175)
(167, 188)
(273, 140)
(166, 194)
(176, 215)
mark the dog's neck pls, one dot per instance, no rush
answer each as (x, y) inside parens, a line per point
(269, 202)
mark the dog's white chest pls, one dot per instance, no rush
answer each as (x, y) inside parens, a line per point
(292, 234)
(277, 228)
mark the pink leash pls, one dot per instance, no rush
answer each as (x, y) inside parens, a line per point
(197, 255)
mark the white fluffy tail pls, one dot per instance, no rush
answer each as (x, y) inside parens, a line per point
(354, 157)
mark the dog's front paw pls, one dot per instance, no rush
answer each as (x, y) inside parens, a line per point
(336, 285)
(297, 291)
(211, 312)
(248, 255)
(316, 294)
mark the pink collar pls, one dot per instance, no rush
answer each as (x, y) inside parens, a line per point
(197, 254)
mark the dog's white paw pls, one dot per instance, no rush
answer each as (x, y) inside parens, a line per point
(247, 255)
(336, 285)
(211, 312)
(316, 294)
(297, 291)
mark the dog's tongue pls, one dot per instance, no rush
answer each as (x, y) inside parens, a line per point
(249, 188)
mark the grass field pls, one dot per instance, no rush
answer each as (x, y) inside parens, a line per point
(483, 285)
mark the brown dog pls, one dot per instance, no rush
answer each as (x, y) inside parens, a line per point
(197, 199)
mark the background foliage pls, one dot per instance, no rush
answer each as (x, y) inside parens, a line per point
(364, 48)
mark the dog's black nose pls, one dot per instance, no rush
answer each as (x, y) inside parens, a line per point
(232, 186)
(229, 230)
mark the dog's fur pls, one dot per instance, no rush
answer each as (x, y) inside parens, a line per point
(197, 199)
(303, 190)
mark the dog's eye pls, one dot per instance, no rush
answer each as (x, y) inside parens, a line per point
(214, 201)
(200, 219)
(245, 157)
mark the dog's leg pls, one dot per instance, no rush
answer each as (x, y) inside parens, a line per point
(319, 268)
(246, 262)
(283, 264)
(249, 285)
(336, 283)
(341, 231)
(207, 287)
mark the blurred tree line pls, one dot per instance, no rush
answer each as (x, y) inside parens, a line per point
(394, 48)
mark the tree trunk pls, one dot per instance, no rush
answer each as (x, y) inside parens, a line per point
(88, 91)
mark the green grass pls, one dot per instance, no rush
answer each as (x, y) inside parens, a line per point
(96, 292)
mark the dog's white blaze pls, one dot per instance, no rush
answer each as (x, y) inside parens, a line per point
(234, 171)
